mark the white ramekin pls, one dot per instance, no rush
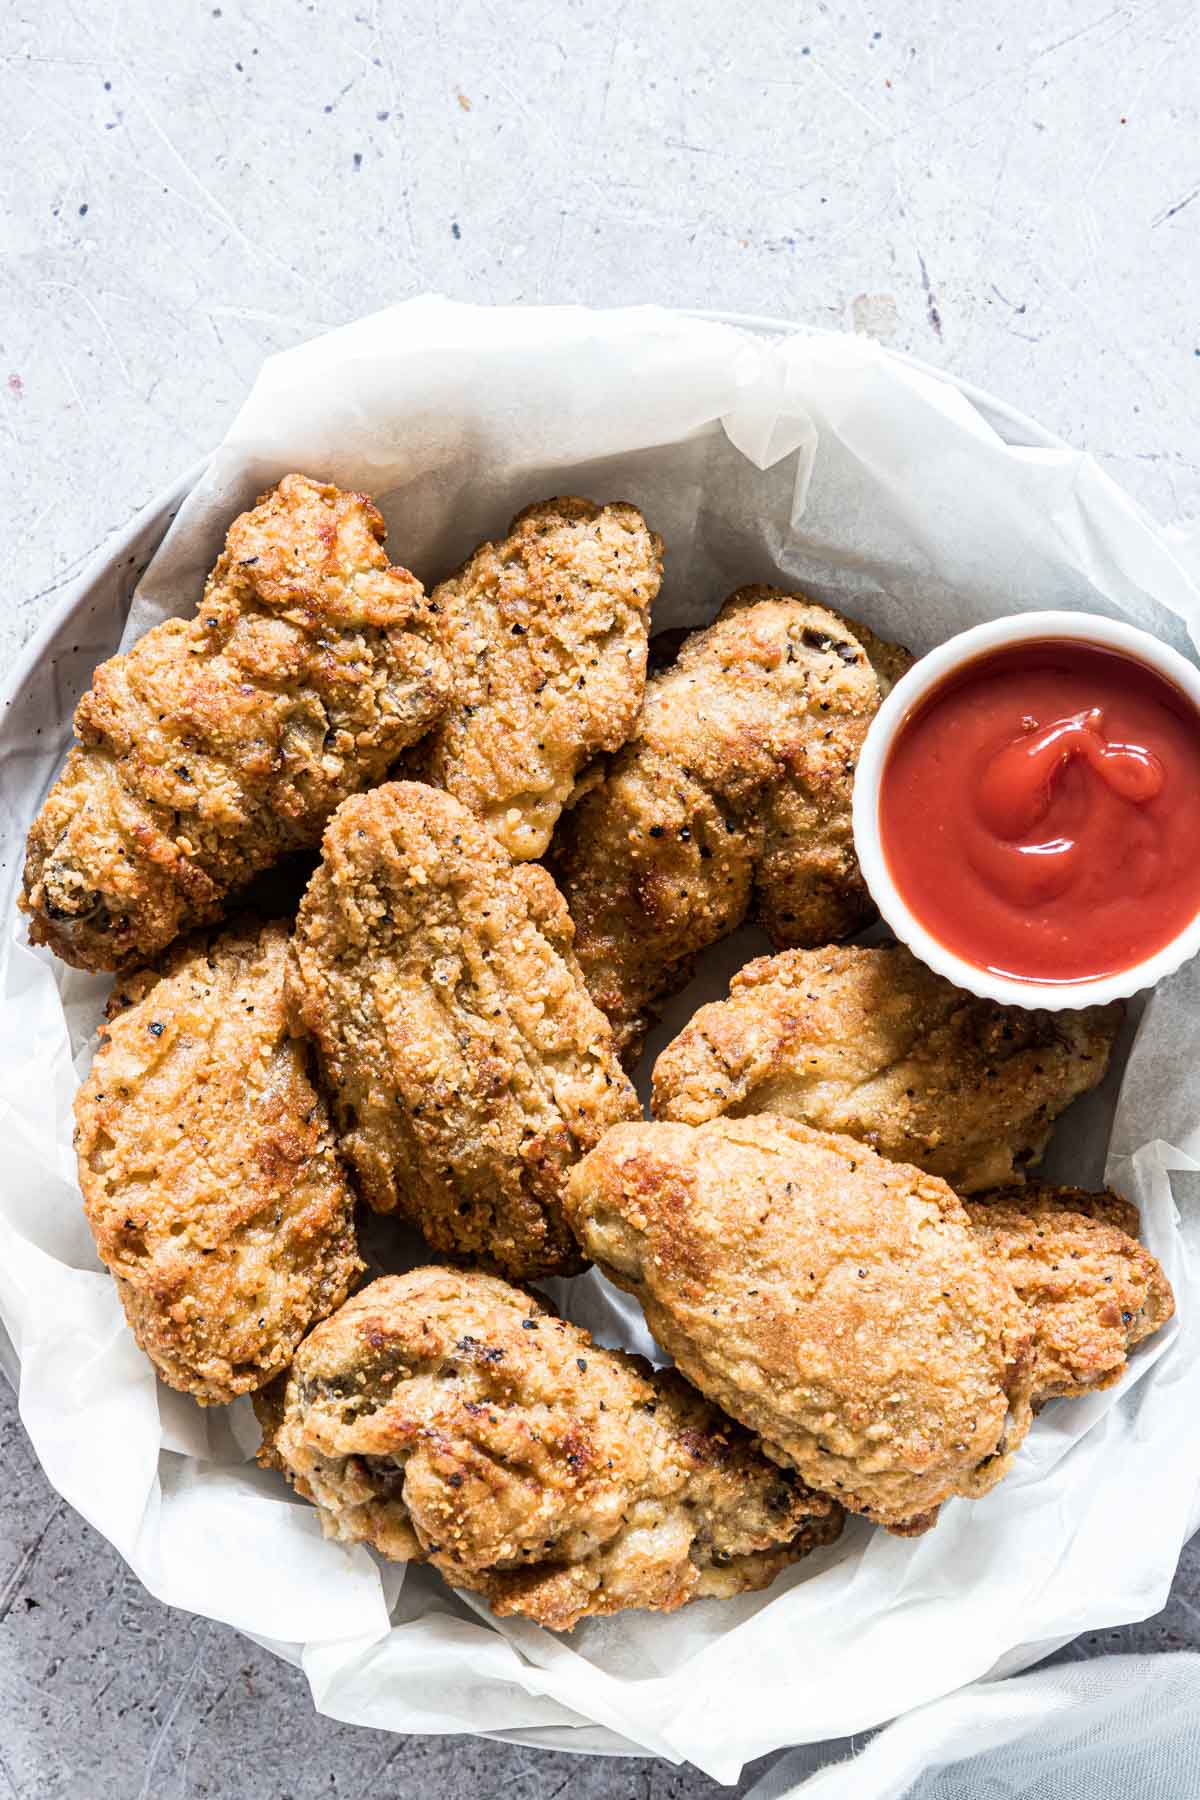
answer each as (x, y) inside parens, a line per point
(905, 697)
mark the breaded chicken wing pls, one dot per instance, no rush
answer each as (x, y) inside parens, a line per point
(208, 1168)
(837, 1304)
(445, 1416)
(872, 1043)
(1092, 1290)
(545, 634)
(220, 742)
(468, 1067)
(732, 797)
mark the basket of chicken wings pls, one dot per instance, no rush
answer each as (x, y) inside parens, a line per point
(557, 1262)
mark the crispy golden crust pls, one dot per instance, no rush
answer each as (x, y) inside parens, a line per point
(208, 1167)
(833, 1302)
(220, 742)
(546, 636)
(1092, 1290)
(870, 1042)
(732, 797)
(445, 1416)
(468, 1067)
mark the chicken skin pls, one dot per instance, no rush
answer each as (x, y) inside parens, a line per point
(835, 1303)
(1092, 1290)
(732, 798)
(219, 743)
(208, 1167)
(444, 1416)
(467, 1065)
(872, 1043)
(546, 636)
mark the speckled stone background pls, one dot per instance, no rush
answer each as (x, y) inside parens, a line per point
(1010, 189)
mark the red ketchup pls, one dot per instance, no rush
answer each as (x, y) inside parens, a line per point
(1040, 812)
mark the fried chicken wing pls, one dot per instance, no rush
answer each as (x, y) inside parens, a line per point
(733, 797)
(445, 1416)
(220, 742)
(835, 1303)
(468, 1067)
(208, 1167)
(872, 1043)
(1092, 1290)
(546, 636)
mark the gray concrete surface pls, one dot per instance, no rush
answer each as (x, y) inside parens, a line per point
(1009, 189)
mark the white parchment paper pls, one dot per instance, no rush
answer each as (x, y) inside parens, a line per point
(819, 461)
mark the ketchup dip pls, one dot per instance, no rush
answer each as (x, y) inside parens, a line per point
(1039, 812)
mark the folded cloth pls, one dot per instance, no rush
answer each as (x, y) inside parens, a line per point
(1118, 1725)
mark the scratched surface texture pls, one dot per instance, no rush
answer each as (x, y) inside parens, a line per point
(1007, 189)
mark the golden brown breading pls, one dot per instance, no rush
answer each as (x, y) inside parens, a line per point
(444, 1415)
(733, 797)
(208, 1167)
(872, 1043)
(220, 742)
(468, 1067)
(836, 1303)
(545, 634)
(1092, 1290)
